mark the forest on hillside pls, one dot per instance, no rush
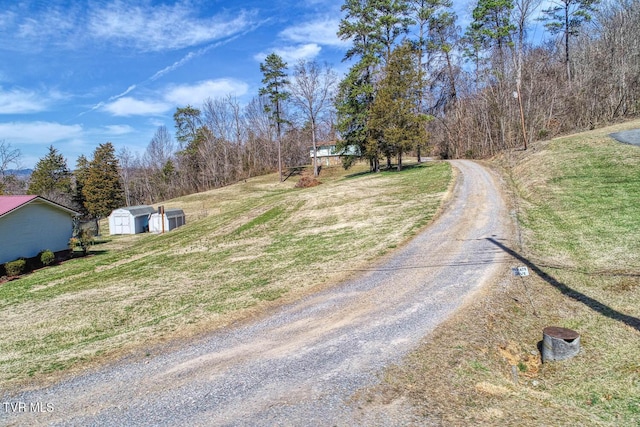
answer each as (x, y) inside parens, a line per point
(419, 83)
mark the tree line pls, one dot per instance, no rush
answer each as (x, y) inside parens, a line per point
(491, 86)
(418, 84)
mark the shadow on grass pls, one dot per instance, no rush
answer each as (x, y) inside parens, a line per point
(593, 304)
(90, 252)
(405, 168)
(357, 174)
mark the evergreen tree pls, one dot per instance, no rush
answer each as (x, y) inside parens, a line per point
(393, 19)
(188, 121)
(80, 175)
(492, 28)
(51, 178)
(394, 116)
(189, 133)
(102, 189)
(360, 26)
(356, 91)
(565, 18)
(274, 70)
(355, 96)
(373, 27)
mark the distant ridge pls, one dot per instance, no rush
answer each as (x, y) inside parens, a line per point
(19, 172)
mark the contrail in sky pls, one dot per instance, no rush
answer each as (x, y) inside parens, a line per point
(188, 57)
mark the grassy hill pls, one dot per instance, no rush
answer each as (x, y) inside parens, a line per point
(577, 200)
(245, 248)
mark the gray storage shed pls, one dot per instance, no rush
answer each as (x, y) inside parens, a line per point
(130, 220)
(173, 218)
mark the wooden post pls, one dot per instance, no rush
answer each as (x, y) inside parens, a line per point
(559, 343)
(161, 212)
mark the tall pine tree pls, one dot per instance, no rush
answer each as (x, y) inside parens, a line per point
(356, 91)
(102, 189)
(565, 18)
(80, 177)
(394, 116)
(51, 178)
(373, 27)
(274, 70)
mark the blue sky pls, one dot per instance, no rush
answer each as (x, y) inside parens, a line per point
(76, 74)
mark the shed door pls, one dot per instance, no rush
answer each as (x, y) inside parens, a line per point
(122, 224)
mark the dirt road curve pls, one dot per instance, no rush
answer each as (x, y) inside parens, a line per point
(302, 364)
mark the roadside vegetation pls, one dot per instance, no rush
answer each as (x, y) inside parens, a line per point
(577, 200)
(244, 249)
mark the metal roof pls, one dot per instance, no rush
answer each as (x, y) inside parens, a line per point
(138, 210)
(11, 203)
(170, 213)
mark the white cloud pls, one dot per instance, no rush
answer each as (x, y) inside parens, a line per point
(118, 129)
(128, 106)
(19, 101)
(322, 32)
(39, 132)
(24, 27)
(196, 94)
(162, 27)
(172, 96)
(22, 101)
(126, 23)
(292, 54)
(156, 122)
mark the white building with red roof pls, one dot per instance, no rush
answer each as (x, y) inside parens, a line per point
(31, 224)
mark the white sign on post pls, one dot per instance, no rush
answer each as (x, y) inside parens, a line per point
(520, 271)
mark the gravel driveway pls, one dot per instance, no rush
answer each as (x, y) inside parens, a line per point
(628, 136)
(301, 364)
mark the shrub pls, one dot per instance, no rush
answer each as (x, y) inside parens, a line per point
(83, 239)
(15, 268)
(306, 182)
(47, 257)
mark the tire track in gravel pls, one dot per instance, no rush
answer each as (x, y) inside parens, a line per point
(302, 364)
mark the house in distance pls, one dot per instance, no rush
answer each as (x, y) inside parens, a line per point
(328, 153)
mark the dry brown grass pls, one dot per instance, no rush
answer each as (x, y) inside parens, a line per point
(245, 249)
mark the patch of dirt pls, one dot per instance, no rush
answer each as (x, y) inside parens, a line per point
(307, 182)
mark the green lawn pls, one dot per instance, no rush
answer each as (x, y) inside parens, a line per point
(577, 200)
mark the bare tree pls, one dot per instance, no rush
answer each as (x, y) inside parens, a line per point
(522, 11)
(161, 148)
(126, 159)
(311, 91)
(8, 156)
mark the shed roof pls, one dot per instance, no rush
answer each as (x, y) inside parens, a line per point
(138, 210)
(11, 203)
(170, 213)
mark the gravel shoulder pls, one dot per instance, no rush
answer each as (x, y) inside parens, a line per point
(302, 364)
